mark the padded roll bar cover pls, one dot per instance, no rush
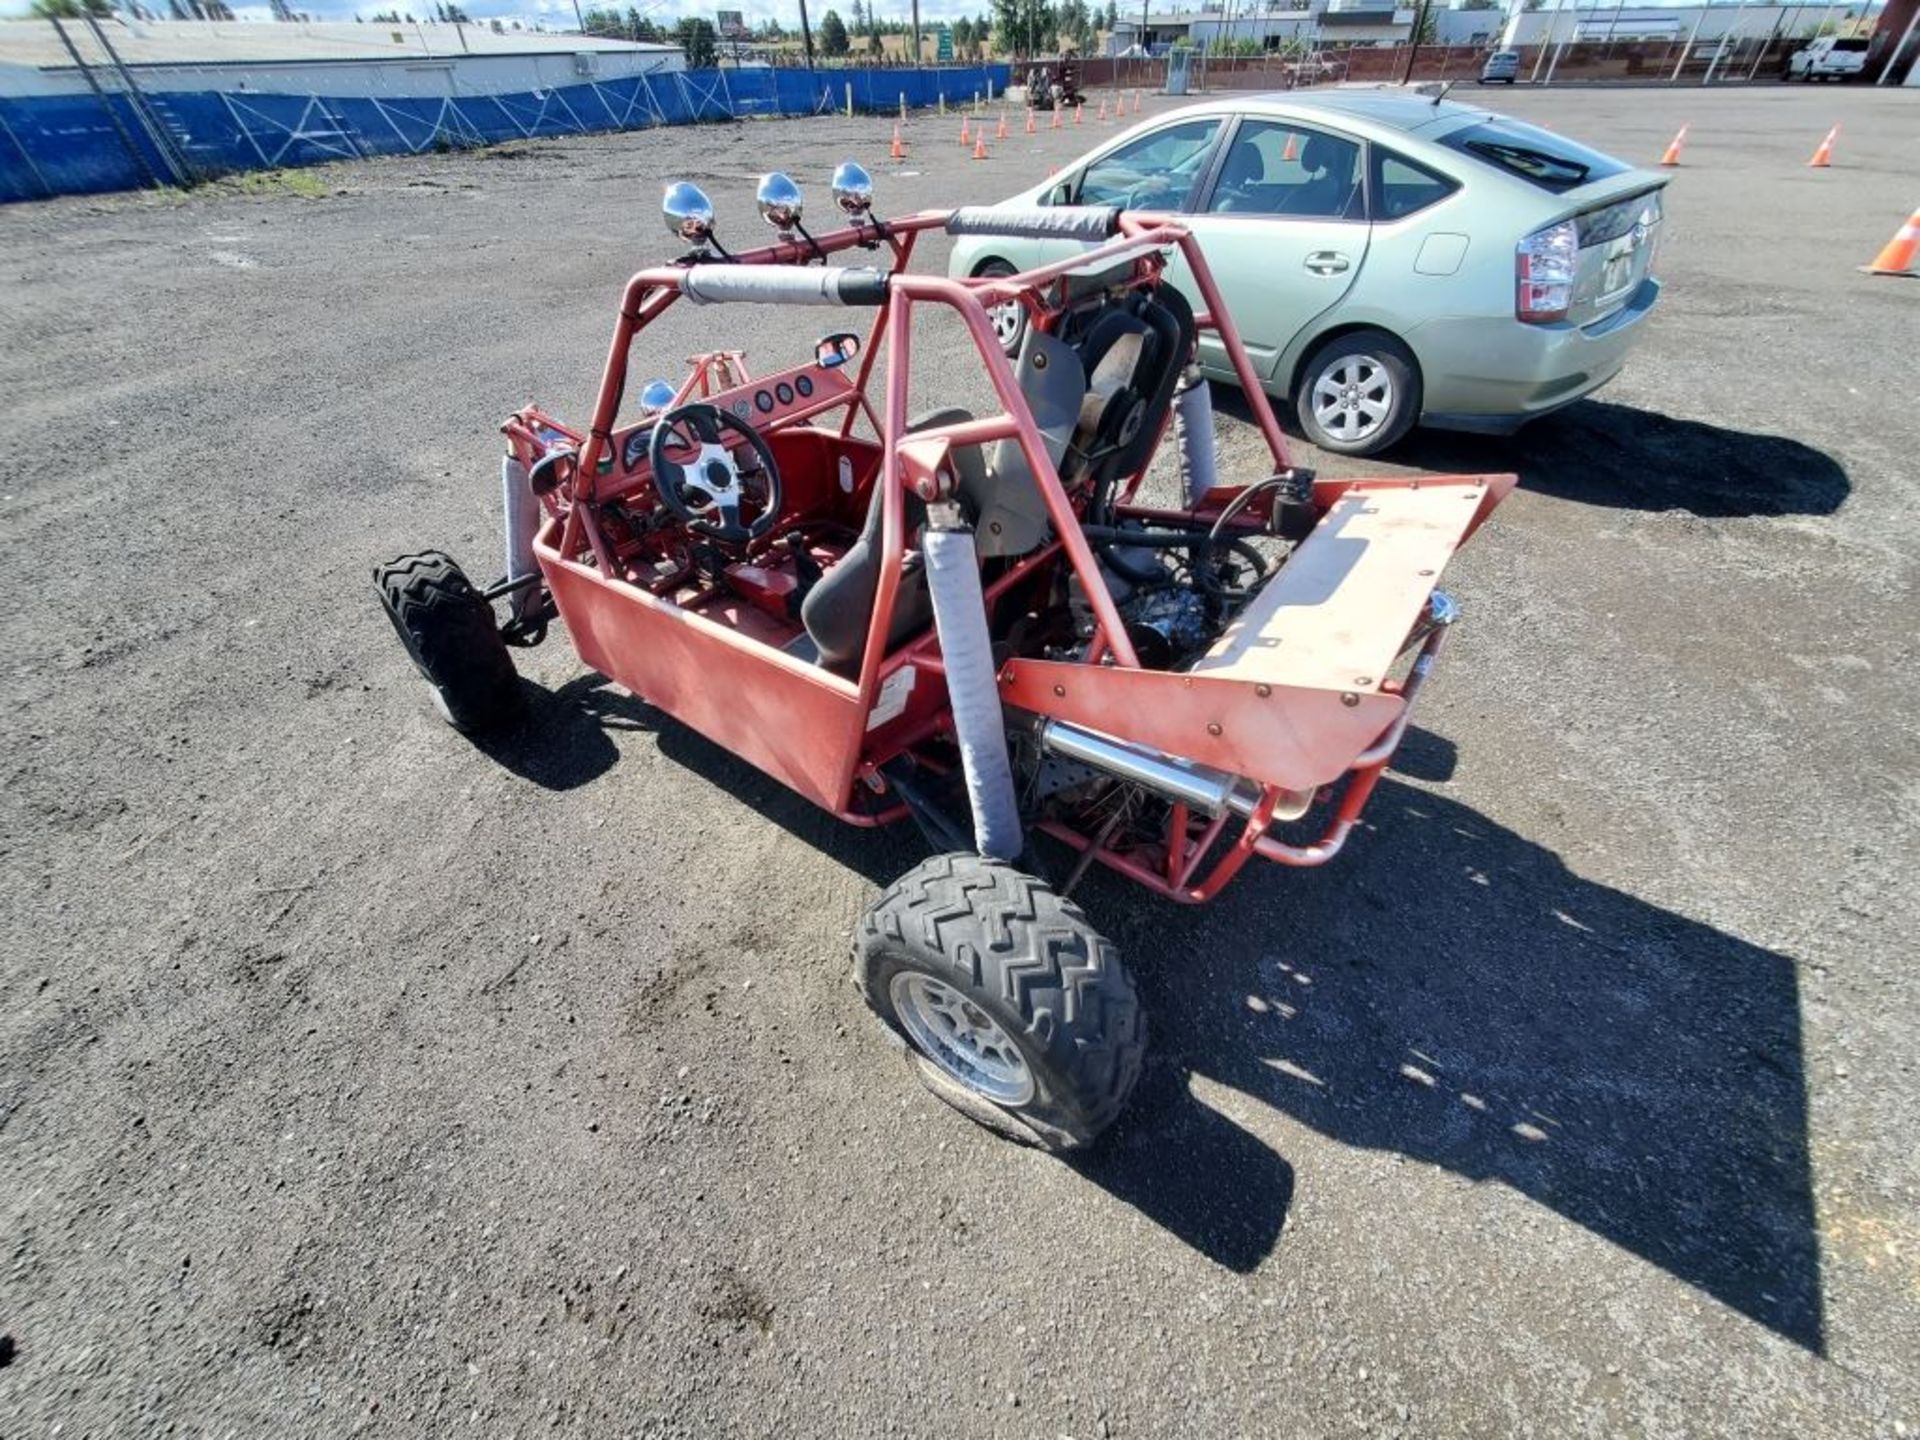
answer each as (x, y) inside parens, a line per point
(1090, 223)
(784, 284)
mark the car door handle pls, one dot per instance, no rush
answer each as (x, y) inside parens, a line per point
(1327, 262)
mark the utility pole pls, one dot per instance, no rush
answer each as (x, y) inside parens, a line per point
(916, 31)
(1413, 50)
(806, 32)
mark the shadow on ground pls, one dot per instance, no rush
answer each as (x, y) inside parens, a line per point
(1450, 991)
(1615, 455)
(1446, 989)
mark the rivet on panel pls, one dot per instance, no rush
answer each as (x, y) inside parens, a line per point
(1213, 727)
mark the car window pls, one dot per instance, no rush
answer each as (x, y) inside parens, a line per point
(1277, 168)
(1851, 47)
(1553, 162)
(1156, 171)
(1400, 187)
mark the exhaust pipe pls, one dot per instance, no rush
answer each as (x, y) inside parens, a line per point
(1198, 787)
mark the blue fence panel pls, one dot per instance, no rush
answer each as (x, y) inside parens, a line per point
(67, 144)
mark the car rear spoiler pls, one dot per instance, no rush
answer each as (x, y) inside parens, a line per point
(1614, 190)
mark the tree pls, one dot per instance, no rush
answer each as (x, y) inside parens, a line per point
(833, 34)
(698, 39)
(1027, 27)
(859, 17)
(1113, 15)
(1075, 22)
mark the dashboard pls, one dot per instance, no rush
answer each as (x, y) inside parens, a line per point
(783, 398)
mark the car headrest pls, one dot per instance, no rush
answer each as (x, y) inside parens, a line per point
(1319, 153)
(1245, 166)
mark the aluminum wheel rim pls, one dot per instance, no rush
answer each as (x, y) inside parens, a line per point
(962, 1040)
(1353, 397)
(1007, 320)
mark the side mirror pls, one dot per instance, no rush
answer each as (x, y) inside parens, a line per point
(1062, 194)
(552, 470)
(836, 350)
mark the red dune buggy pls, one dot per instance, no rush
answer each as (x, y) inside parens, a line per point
(974, 621)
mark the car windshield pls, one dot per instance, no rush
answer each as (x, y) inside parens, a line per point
(1850, 46)
(1550, 161)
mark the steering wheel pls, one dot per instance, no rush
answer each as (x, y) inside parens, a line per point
(707, 491)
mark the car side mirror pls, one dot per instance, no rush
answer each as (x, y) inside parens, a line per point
(552, 470)
(1063, 193)
(836, 350)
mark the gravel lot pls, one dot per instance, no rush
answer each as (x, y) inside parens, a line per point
(354, 1079)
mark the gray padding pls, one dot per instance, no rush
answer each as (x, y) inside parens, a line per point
(522, 523)
(1090, 223)
(784, 284)
(1013, 514)
(979, 724)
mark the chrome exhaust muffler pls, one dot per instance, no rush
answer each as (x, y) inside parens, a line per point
(1185, 782)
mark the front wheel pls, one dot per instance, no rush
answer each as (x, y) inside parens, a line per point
(1016, 1011)
(450, 634)
(1009, 320)
(1358, 393)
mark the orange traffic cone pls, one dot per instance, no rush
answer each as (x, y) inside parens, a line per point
(1076, 111)
(1898, 258)
(1672, 157)
(1056, 118)
(966, 135)
(1823, 157)
(1292, 152)
(1001, 132)
(1102, 116)
(980, 145)
(898, 150)
(1136, 102)
(1032, 129)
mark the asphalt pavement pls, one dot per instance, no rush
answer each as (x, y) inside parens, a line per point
(356, 1079)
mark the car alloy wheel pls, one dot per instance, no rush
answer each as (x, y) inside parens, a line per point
(1352, 397)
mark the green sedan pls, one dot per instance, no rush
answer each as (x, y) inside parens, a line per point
(1390, 259)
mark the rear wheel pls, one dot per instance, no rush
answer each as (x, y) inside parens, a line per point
(1015, 1010)
(1009, 320)
(1358, 393)
(450, 633)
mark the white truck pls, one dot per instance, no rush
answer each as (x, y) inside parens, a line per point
(1831, 57)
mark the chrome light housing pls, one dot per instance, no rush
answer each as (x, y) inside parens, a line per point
(688, 212)
(656, 394)
(780, 201)
(853, 189)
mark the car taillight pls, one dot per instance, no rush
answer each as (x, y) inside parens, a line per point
(1543, 273)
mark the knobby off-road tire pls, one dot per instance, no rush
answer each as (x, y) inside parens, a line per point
(1014, 1009)
(449, 630)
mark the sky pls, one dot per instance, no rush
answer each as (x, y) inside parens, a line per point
(787, 12)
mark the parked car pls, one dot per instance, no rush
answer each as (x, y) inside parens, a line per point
(1390, 259)
(1315, 70)
(1502, 67)
(1831, 57)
